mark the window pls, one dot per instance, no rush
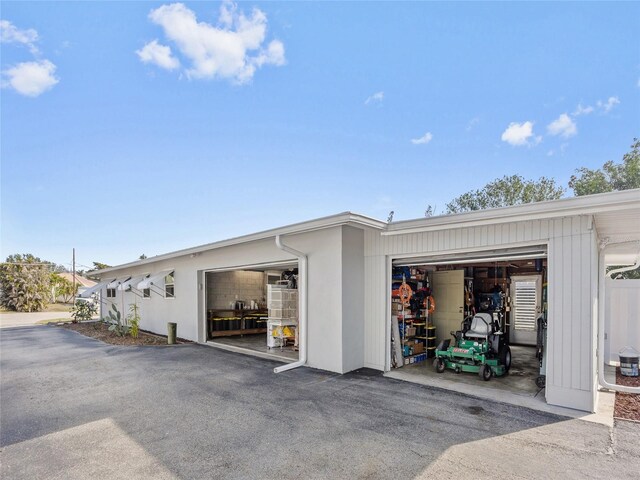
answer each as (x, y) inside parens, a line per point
(146, 293)
(169, 286)
(111, 293)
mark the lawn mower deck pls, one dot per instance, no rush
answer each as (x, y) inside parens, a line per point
(480, 347)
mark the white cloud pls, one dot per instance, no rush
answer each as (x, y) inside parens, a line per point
(607, 106)
(233, 50)
(583, 110)
(31, 78)
(518, 134)
(472, 123)
(159, 55)
(423, 140)
(9, 33)
(563, 126)
(375, 98)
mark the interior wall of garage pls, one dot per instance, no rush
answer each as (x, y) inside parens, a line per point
(224, 288)
(571, 243)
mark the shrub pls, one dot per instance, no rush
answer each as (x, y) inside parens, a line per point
(83, 311)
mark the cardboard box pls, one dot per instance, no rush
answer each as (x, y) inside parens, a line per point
(418, 348)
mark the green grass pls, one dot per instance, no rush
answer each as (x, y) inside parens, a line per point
(58, 307)
(54, 320)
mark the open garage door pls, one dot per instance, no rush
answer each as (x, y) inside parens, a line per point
(471, 312)
(245, 309)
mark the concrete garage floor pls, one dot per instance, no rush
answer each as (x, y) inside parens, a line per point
(75, 408)
(256, 345)
(519, 382)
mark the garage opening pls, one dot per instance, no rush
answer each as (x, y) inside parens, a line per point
(476, 319)
(254, 310)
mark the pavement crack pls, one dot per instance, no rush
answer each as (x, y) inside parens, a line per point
(611, 448)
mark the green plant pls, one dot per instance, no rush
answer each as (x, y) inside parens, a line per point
(24, 283)
(116, 326)
(83, 311)
(134, 320)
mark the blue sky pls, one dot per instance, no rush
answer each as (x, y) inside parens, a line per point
(132, 128)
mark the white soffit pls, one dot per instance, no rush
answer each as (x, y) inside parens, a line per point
(619, 226)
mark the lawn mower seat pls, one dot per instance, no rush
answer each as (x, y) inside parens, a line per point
(481, 326)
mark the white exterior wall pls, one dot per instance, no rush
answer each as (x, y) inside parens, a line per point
(622, 314)
(572, 270)
(352, 298)
(325, 291)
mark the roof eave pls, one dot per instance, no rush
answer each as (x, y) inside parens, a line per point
(586, 205)
(345, 218)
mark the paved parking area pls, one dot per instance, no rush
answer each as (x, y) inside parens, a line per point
(73, 407)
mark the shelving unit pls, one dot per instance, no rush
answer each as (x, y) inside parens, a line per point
(282, 325)
(413, 324)
(226, 323)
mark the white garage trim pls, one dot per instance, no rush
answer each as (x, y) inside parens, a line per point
(497, 255)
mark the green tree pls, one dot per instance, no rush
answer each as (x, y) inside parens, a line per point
(100, 266)
(611, 177)
(25, 283)
(506, 191)
(61, 287)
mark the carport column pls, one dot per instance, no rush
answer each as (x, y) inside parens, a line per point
(302, 293)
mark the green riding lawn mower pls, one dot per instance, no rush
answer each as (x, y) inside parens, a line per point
(480, 347)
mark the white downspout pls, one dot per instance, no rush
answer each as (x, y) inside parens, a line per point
(302, 293)
(602, 276)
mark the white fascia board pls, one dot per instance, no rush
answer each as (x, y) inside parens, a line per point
(586, 205)
(346, 218)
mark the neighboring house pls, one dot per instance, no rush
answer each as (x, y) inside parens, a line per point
(82, 282)
(346, 264)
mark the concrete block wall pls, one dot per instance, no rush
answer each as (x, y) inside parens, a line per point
(226, 287)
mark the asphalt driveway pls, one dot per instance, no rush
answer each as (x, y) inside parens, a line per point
(73, 407)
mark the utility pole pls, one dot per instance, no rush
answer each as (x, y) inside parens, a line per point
(73, 263)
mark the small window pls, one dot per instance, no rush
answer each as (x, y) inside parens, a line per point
(111, 293)
(146, 293)
(169, 286)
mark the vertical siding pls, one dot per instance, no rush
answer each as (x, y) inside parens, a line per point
(571, 324)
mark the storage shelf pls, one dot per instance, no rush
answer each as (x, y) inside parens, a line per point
(228, 333)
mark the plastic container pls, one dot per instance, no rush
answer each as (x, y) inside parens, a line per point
(629, 359)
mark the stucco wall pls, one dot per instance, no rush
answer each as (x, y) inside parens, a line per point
(187, 309)
(352, 298)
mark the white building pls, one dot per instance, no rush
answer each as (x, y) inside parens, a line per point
(345, 267)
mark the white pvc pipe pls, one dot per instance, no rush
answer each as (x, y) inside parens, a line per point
(602, 276)
(302, 293)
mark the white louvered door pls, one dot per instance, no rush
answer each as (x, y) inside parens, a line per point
(526, 307)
